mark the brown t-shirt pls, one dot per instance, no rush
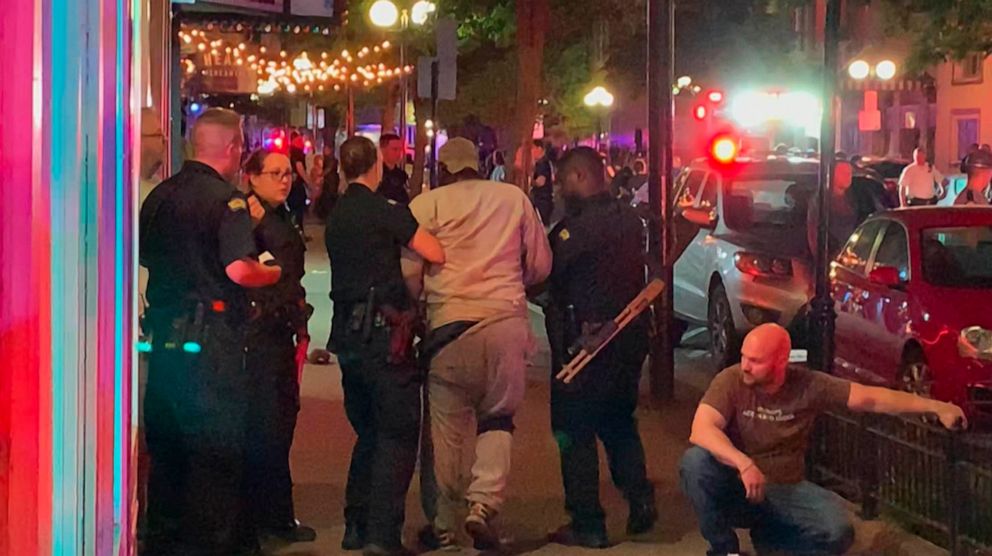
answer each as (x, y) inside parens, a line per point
(773, 429)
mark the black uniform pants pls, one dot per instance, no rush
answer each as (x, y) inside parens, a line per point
(382, 402)
(273, 405)
(194, 427)
(601, 405)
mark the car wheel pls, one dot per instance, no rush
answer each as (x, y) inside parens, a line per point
(724, 344)
(915, 376)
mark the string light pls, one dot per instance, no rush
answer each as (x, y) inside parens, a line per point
(294, 73)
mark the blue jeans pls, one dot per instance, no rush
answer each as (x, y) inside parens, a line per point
(799, 519)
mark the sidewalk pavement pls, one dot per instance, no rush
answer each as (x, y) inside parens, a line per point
(324, 438)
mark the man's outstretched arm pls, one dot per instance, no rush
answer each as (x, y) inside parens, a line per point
(873, 399)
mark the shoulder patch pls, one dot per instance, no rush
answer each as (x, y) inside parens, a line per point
(237, 204)
(564, 235)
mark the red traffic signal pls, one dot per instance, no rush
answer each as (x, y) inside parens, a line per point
(715, 96)
(700, 112)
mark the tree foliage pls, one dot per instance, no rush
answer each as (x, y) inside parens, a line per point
(942, 30)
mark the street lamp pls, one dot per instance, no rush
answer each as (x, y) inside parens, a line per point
(385, 14)
(886, 69)
(601, 100)
(859, 69)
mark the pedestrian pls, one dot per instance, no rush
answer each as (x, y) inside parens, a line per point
(979, 169)
(395, 181)
(598, 269)
(847, 211)
(972, 149)
(750, 433)
(920, 184)
(297, 200)
(499, 167)
(479, 336)
(197, 244)
(542, 184)
(277, 346)
(371, 335)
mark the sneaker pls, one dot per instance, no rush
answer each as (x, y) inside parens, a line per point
(478, 524)
(570, 536)
(434, 539)
(642, 517)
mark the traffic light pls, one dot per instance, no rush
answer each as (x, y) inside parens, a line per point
(700, 112)
(715, 96)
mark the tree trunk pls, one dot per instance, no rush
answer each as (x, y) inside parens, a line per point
(532, 24)
(389, 109)
(421, 111)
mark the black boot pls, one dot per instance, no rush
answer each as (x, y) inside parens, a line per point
(354, 536)
(292, 532)
(588, 537)
(642, 517)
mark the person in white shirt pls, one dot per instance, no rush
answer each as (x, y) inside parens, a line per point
(480, 335)
(979, 166)
(918, 184)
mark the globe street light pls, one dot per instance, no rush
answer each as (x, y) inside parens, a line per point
(859, 69)
(885, 70)
(598, 99)
(384, 13)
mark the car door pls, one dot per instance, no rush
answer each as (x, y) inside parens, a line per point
(886, 312)
(689, 283)
(849, 279)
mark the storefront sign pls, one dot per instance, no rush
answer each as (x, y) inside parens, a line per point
(265, 5)
(221, 74)
(312, 8)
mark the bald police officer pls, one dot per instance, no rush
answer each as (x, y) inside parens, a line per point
(196, 241)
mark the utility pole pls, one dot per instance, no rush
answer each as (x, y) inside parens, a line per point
(821, 354)
(661, 76)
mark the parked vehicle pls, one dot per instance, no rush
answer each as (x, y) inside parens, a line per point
(741, 231)
(913, 295)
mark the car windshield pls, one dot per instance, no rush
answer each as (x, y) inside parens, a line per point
(770, 203)
(958, 257)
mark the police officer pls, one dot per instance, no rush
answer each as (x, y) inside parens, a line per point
(979, 168)
(277, 346)
(598, 269)
(370, 329)
(196, 242)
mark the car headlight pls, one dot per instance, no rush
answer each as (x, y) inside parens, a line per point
(975, 342)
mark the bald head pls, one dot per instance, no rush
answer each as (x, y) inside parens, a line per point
(765, 356)
(218, 140)
(582, 173)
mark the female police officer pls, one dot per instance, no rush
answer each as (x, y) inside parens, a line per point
(277, 336)
(370, 330)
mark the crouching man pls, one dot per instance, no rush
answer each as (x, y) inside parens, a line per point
(750, 433)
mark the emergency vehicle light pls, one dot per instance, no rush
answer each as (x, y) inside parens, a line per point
(724, 149)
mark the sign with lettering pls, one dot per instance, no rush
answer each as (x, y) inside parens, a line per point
(221, 74)
(264, 5)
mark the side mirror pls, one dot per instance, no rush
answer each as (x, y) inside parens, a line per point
(887, 276)
(701, 217)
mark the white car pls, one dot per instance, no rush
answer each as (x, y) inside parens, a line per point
(745, 261)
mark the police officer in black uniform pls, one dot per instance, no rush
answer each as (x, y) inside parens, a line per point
(598, 269)
(196, 242)
(373, 318)
(277, 347)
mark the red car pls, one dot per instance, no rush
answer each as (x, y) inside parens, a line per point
(913, 294)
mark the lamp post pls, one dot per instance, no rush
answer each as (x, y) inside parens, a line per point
(385, 14)
(599, 100)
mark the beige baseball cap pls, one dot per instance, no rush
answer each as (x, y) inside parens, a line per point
(458, 154)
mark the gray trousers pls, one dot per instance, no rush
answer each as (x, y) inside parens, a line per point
(476, 384)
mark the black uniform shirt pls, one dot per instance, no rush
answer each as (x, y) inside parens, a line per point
(277, 235)
(364, 234)
(394, 182)
(598, 260)
(192, 227)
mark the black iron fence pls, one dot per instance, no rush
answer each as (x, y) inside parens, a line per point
(936, 482)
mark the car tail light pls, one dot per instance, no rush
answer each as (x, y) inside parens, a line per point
(763, 265)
